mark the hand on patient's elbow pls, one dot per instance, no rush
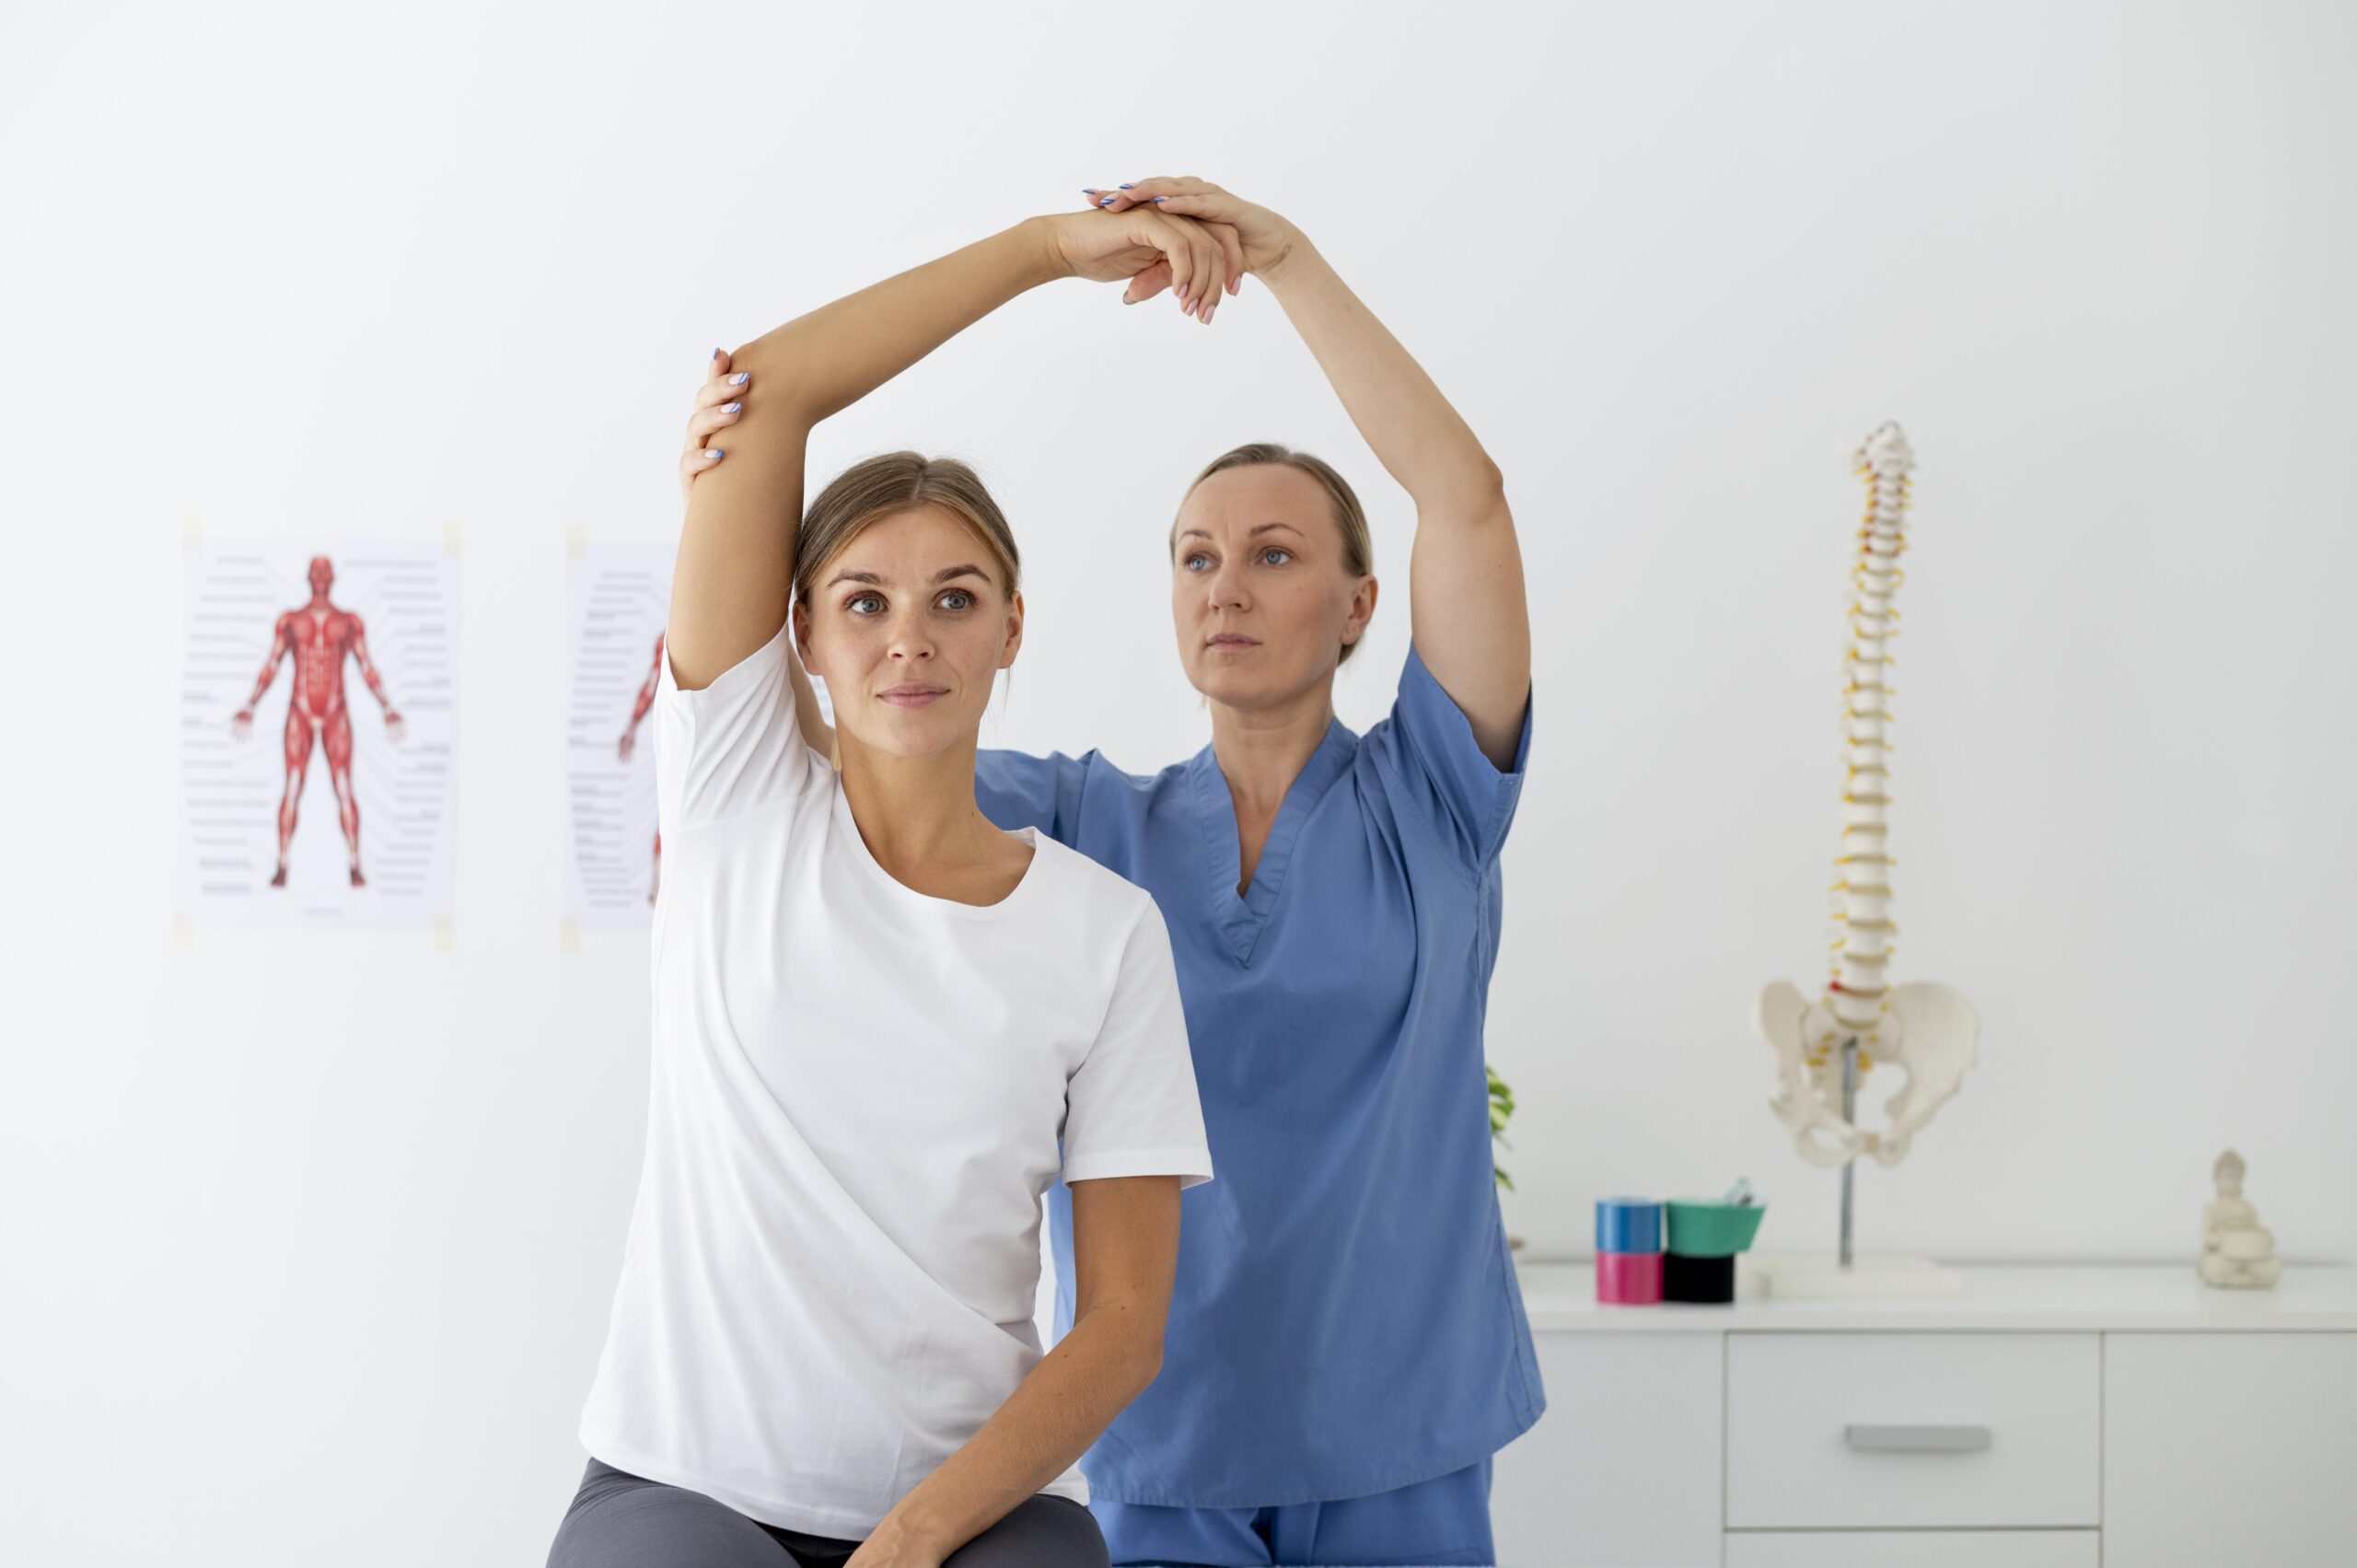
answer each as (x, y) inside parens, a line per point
(773, 389)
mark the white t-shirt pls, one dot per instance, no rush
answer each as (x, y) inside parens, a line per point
(855, 1096)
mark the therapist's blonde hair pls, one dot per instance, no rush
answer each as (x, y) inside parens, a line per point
(886, 485)
(1358, 544)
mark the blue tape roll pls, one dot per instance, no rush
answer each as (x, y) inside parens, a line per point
(1628, 1225)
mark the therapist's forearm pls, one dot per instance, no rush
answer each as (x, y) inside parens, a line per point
(1070, 1398)
(1415, 433)
(826, 360)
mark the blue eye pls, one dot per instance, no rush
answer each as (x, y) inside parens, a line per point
(1189, 561)
(853, 604)
(1277, 549)
(960, 594)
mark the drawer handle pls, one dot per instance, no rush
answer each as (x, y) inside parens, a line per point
(1917, 1439)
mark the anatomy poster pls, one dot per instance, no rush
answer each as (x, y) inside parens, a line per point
(317, 732)
(620, 595)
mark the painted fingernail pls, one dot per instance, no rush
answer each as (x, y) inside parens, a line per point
(714, 453)
(1108, 201)
(1162, 198)
(1125, 187)
(730, 408)
(1088, 190)
(739, 379)
(715, 353)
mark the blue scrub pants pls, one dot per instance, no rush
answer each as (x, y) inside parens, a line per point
(1445, 1520)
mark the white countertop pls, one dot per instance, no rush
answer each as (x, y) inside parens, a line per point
(2020, 1297)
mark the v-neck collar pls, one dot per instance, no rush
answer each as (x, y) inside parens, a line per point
(1240, 921)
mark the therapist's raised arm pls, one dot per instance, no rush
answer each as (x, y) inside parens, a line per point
(730, 588)
(1466, 599)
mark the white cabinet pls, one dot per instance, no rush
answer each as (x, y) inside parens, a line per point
(2226, 1449)
(2053, 1417)
(1623, 1468)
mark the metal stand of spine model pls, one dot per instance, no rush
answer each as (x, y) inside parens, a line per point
(1827, 1050)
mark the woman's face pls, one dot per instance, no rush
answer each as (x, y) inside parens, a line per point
(1260, 595)
(909, 626)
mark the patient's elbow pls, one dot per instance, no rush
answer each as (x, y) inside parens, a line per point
(1143, 1349)
(778, 383)
(1149, 1348)
(1126, 1341)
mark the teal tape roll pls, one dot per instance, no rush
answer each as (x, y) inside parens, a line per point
(1705, 1227)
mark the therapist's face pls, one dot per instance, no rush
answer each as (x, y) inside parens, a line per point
(1260, 595)
(907, 625)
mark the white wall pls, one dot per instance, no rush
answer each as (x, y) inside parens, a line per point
(307, 1243)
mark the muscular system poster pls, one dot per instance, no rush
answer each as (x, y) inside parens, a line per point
(317, 732)
(620, 594)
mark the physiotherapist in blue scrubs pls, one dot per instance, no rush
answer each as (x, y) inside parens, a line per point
(1346, 1345)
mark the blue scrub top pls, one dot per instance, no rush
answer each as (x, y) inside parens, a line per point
(1346, 1317)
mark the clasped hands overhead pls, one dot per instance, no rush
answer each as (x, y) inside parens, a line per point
(1182, 234)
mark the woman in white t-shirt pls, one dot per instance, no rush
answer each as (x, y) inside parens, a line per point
(1347, 1347)
(883, 1027)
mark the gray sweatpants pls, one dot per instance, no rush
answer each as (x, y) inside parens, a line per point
(619, 1520)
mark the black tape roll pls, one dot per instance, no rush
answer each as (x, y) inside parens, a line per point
(1708, 1280)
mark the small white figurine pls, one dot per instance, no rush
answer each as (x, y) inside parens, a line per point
(2238, 1253)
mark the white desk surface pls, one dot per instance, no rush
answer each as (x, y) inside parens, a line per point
(2018, 1297)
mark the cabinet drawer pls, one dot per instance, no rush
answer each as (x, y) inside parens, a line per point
(1938, 1549)
(1913, 1431)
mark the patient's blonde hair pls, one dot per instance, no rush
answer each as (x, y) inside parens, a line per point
(886, 485)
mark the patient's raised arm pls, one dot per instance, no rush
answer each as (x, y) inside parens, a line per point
(735, 574)
(730, 588)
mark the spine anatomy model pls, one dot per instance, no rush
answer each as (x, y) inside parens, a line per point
(1928, 1030)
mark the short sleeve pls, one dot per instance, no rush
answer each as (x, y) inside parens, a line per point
(1425, 749)
(731, 746)
(1016, 790)
(1130, 1108)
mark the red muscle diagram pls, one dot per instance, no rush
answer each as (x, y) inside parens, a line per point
(619, 593)
(629, 742)
(321, 636)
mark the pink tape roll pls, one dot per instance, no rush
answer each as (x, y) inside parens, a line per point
(1627, 1279)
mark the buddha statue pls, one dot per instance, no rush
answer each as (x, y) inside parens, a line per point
(2238, 1253)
